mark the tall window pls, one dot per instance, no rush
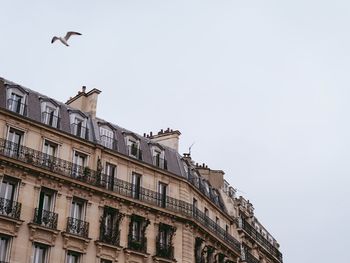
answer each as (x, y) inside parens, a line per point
(164, 247)
(78, 126)
(136, 185)
(4, 248)
(8, 189)
(162, 191)
(50, 116)
(43, 214)
(79, 163)
(137, 237)
(14, 138)
(16, 103)
(110, 175)
(73, 257)
(107, 137)
(77, 210)
(40, 254)
(109, 232)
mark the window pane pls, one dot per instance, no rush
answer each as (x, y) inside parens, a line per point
(3, 248)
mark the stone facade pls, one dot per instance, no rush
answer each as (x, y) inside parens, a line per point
(75, 188)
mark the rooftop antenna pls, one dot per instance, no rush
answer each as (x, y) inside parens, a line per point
(189, 148)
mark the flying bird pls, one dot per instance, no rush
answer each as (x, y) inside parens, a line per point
(65, 39)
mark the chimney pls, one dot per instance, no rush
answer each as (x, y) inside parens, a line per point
(167, 138)
(85, 101)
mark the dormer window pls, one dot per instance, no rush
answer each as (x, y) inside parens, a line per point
(133, 146)
(49, 113)
(79, 125)
(16, 100)
(158, 157)
(107, 137)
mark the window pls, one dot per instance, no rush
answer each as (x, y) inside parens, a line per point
(50, 151)
(107, 137)
(109, 232)
(206, 212)
(44, 213)
(110, 175)
(16, 103)
(162, 191)
(4, 248)
(9, 189)
(137, 236)
(77, 210)
(49, 114)
(133, 146)
(14, 138)
(73, 257)
(79, 125)
(195, 204)
(136, 231)
(217, 221)
(136, 185)
(164, 247)
(40, 254)
(79, 163)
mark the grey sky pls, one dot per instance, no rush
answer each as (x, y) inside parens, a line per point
(261, 87)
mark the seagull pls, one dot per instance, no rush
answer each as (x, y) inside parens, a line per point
(65, 39)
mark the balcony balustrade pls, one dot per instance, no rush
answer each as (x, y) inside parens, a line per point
(45, 218)
(62, 167)
(10, 208)
(77, 227)
(138, 244)
(251, 231)
(164, 250)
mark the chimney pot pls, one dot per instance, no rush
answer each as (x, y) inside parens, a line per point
(83, 89)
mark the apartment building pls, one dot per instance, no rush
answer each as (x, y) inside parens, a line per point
(76, 188)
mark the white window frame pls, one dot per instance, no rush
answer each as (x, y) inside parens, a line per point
(44, 118)
(46, 253)
(106, 132)
(18, 92)
(7, 248)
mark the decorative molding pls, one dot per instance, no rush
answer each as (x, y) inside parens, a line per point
(42, 234)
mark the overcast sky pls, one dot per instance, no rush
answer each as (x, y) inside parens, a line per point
(261, 87)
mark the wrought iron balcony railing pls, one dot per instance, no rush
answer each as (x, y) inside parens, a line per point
(137, 243)
(10, 208)
(77, 227)
(79, 130)
(110, 235)
(50, 119)
(45, 218)
(160, 162)
(135, 152)
(164, 250)
(120, 187)
(17, 106)
(250, 230)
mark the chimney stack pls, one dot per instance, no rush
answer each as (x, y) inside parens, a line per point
(166, 137)
(85, 101)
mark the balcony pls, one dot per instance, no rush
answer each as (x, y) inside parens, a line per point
(50, 119)
(10, 208)
(17, 106)
(79, 130)
(123, 188)
(259, 238)
(135, 152)
(164, 251)
(248, 258)
(160, 162)
(45, 218)
(77, 227)
(138, 244)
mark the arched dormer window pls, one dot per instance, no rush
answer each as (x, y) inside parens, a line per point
(158, 156)
(50, 112)
(16, 99)
(78, 124)
(107, 138)
(133, 145)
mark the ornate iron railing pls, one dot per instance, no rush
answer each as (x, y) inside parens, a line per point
(50, 119)
(249, 258)
(77, 227)
(97, 178)
(79, 130)
(243, 224)
(137, 244)
(45, 218)
(164, 250)
(110, 235)
(16, 106)
(10, 208)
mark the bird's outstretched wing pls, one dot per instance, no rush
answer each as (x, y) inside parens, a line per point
(54, 39)
(70, 33)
